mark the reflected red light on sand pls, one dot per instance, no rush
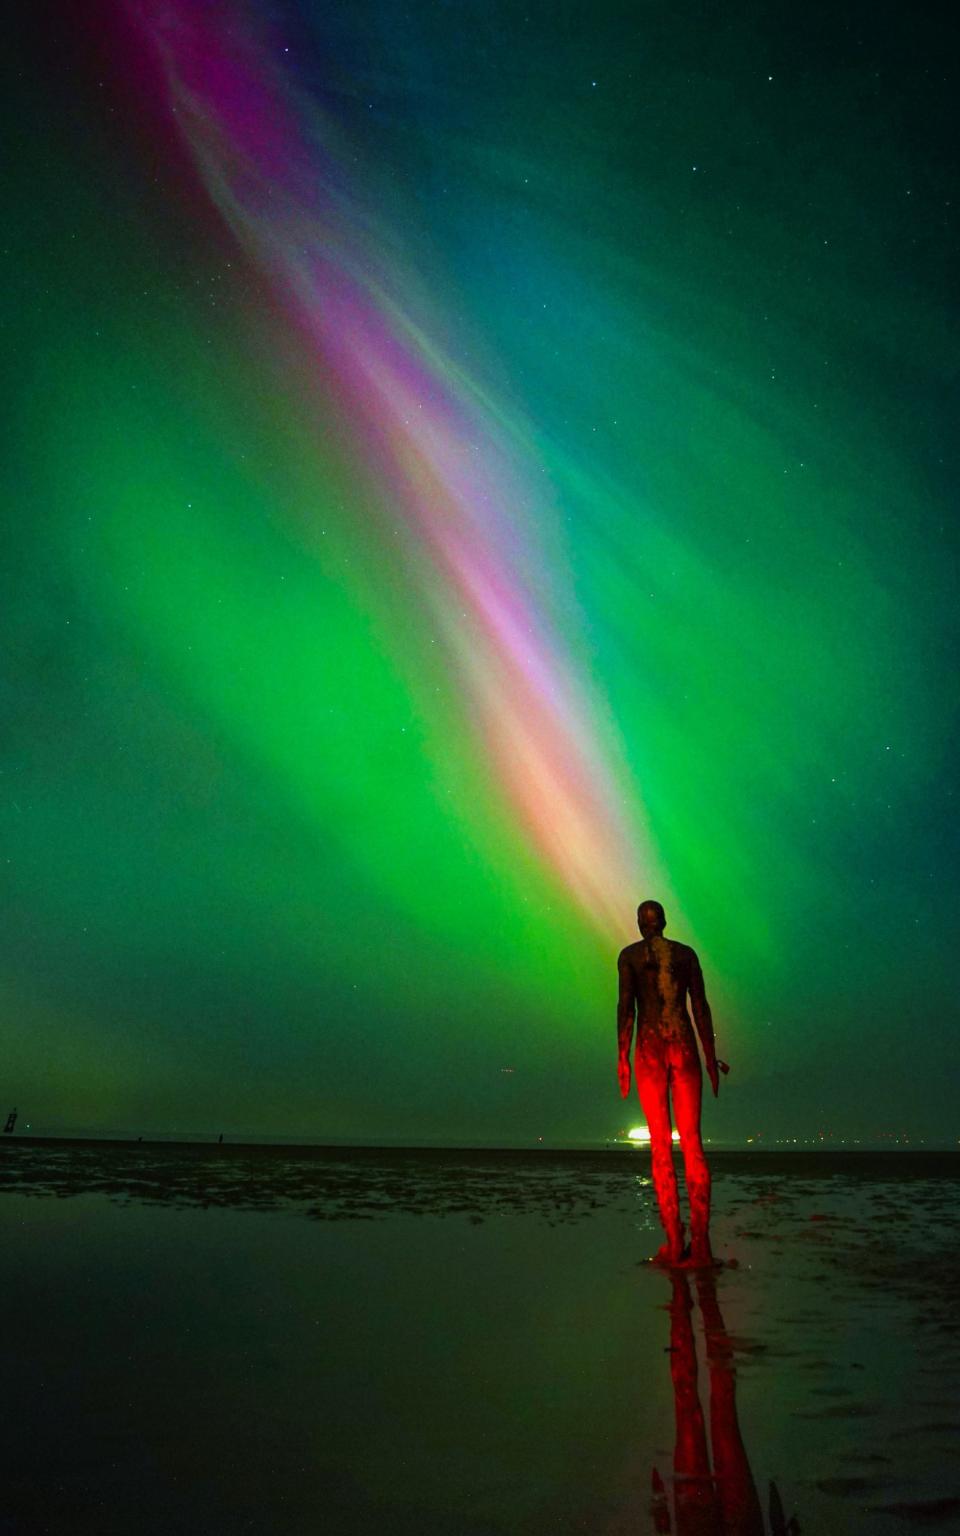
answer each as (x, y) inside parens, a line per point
(722, 1499)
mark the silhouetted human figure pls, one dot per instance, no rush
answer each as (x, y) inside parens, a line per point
(11, 1122)
(656, 975)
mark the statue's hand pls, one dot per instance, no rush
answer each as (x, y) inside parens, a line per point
(623, 1074)
(713, 1072)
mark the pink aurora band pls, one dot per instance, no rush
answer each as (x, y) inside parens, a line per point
(463, 479)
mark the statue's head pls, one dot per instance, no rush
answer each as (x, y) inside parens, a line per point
(651, 918)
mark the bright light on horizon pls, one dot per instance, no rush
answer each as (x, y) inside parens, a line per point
(642, 1133)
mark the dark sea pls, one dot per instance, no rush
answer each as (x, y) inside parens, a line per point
(284, 1341)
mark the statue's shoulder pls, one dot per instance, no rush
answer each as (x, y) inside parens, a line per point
(683, 951)
(630, 952)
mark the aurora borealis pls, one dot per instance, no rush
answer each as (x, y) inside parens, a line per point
(470, 468)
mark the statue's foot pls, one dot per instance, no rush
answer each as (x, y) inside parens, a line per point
(671, 1253)
(701, 1257)
(665, 1256)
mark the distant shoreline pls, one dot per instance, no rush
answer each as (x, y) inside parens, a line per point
(769, 1157)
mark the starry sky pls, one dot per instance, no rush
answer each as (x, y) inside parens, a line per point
(470, 467)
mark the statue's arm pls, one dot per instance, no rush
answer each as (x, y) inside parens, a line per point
(703, 1019)
(626, 1012)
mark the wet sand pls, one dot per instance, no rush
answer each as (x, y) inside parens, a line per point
(289, 1341)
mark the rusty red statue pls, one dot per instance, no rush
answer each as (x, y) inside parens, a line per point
(656, 976)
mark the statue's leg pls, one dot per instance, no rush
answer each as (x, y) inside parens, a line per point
(651, 1075)
(687, 1086)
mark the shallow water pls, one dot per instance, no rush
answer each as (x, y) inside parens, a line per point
(269, 1340)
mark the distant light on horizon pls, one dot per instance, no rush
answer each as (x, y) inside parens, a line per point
(641, 1133)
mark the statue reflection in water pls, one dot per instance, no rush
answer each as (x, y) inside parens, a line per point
(722, 1500)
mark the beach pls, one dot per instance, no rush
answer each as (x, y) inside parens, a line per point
(346, 1340)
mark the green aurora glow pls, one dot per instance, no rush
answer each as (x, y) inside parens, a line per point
(263, 875)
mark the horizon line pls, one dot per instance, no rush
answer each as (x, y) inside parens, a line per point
(750, 1144)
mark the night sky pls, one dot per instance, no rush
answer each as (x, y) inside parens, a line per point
(470, 467)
